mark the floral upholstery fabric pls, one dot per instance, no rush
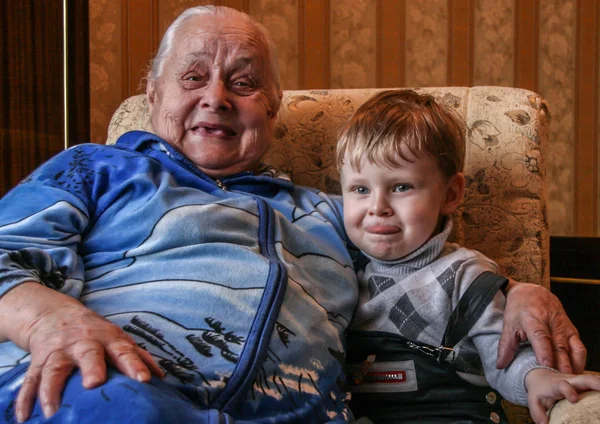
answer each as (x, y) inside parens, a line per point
(504, 211)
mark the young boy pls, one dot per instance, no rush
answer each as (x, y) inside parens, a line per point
(425, 334)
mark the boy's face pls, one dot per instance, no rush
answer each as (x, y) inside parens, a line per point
(391, 212)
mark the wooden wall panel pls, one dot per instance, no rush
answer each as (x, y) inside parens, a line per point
(391, 39)
(597, 91)
(550, 47)
(140, 37)
(353, 43)
(526, 44)
(556, 82)
(243, 5)
(493, 42)
(586, 119)
(106, 87)
(460, 42)
(31, 87)
(314, 43)
(426, 49)
(281, 18)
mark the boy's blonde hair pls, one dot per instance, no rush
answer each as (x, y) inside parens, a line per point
(394, 117)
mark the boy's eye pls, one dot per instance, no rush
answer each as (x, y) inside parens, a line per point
(401, 188)
(361, 190)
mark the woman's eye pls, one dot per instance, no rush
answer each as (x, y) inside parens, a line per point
(401, 188)
(191, 79)
(361, 190)
(243, 85)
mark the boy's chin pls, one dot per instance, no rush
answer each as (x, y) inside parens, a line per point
(386, 254)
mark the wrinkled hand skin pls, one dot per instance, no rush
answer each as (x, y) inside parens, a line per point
(61, 334)
(545, 387)
(533, 313)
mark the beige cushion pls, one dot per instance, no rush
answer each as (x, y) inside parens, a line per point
(504, 212)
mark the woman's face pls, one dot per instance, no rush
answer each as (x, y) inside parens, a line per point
(214, 100)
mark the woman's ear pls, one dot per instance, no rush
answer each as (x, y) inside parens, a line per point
(150, 94)
(275, 104)
(455, 190)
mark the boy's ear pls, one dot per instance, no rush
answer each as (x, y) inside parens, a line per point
(455, 190)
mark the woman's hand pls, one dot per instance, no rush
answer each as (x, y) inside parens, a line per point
(545, 387)
(63, 335)
(533, 313)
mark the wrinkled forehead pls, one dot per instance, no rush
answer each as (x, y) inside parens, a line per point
(220, 40)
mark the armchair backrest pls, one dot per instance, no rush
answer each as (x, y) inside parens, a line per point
(504, 212)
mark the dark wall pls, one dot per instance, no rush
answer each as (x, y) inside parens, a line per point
(31, 83)
(575, 279)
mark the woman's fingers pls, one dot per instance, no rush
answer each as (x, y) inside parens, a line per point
(533, 313)
(28, 393)
(56, 370)
(577, 353)
(150, 363)
(125, 356)
(549, 344)
(85, 341)
(91, 360)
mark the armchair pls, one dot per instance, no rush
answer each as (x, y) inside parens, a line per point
(504, 212)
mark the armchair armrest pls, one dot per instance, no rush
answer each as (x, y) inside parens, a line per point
(586, 411)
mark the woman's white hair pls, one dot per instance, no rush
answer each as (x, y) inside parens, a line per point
(166, 44)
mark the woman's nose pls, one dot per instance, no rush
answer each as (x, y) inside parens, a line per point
(215, 96)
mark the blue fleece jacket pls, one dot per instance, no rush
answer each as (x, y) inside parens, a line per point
(241, 289)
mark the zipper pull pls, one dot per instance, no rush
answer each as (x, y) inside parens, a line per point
(221, 185)
(439, 353)
(358, 376)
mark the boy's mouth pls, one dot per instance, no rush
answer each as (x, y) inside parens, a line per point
(382, 229)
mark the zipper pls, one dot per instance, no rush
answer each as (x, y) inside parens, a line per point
(221, 185)
(384, 377)
(366, 374)
(264, 322)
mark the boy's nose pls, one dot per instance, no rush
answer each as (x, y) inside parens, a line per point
(380, 207)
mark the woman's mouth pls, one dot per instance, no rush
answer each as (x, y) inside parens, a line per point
(215, 130)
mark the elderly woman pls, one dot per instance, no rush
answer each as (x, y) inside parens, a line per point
(179, 255)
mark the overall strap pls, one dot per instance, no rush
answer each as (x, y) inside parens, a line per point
(470, 307)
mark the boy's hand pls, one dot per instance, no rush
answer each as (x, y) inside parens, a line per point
(545, 387)
(533, 313)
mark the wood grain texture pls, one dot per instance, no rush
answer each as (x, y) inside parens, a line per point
(586, 119)
(314, 44)
(390, 43)
(526, 44)
(31, 92)
(140, 41)
(460, 42)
